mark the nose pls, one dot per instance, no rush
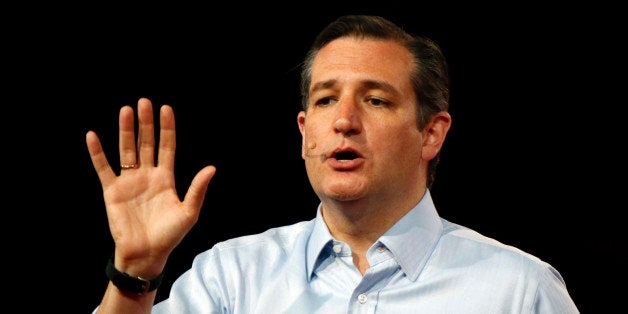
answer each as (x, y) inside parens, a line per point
(348, 117)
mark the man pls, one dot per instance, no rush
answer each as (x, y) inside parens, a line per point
(375, 117)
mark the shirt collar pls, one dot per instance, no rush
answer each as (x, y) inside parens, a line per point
(413, 238)
(419, 230)
(319, 239)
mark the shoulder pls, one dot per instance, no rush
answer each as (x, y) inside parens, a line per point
(283, 236)
(503, 273)
(271, 244)
(469, 245)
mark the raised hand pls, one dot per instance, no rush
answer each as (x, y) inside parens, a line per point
(146, 217)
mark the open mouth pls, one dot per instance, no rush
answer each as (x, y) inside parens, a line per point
(346, 155)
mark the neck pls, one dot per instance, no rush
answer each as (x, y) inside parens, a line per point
(359, 223)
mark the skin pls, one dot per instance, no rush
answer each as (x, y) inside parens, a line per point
(368, 108)
(356, 105)
(146, 217)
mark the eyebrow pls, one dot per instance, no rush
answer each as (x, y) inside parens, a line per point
(369, 84)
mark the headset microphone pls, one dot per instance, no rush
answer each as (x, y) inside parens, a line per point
(308, 152)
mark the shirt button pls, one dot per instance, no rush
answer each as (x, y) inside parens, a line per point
(337, 248)
(362, 298)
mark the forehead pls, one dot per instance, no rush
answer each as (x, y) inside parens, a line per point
(364, 58)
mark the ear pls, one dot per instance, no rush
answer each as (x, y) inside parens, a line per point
(301, 122)
(434, 134)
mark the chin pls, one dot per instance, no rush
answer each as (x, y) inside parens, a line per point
(345, 193)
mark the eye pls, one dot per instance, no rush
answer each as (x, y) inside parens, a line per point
(377, 102)
(325, 101)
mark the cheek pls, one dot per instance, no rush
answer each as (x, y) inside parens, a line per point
(402, 142)
(315, 129)
(311, 145)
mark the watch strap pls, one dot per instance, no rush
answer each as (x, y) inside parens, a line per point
(128, 283)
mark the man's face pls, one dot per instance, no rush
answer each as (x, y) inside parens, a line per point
(360, 135)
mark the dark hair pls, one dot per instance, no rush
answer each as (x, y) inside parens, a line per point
(430, 78)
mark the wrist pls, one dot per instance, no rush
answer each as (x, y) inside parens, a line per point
(129, 283)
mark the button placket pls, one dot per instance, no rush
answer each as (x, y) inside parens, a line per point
(362, 298)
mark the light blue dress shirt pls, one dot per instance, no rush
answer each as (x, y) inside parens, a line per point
(423, 264)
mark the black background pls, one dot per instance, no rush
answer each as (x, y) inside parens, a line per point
(531, 159)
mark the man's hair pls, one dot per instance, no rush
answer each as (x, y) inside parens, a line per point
(430, 77)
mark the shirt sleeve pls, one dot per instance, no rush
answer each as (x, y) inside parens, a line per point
(197, 290)
(552, 295)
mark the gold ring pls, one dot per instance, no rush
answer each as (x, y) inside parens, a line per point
(128, 166)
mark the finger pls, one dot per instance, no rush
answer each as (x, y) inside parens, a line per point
(196, 192)
(99, 160)
(167, 138)
(126, 140)
(146, 138)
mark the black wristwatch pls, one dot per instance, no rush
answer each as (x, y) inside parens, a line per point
(128, 283)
